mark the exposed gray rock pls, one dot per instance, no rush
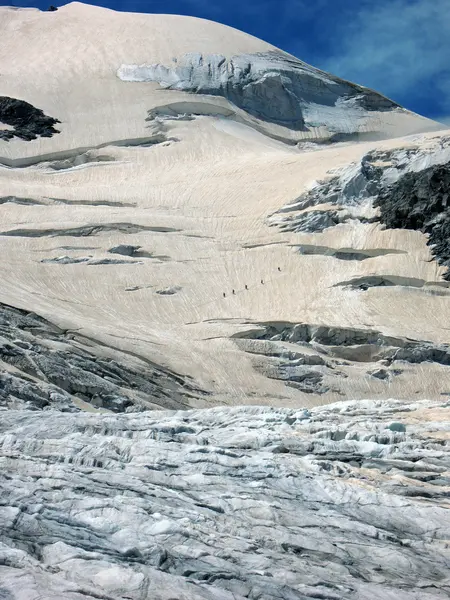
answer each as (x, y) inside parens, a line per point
(227, 504)
(420, 201)
(42, 366)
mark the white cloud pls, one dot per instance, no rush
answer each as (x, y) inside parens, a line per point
(400, 47)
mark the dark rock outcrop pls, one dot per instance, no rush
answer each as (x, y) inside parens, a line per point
(409, 193)
(27, 121)
(420, 200)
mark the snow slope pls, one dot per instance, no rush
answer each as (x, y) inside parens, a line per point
(165, 191)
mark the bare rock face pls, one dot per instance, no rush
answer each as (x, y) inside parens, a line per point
(348, 501)
(420, 201)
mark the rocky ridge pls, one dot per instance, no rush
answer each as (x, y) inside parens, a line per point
(26, 122)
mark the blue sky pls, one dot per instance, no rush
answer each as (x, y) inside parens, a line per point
(401, 48)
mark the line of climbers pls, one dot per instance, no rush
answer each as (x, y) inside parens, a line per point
(246, 286)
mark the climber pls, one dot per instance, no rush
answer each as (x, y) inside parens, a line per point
(51, 8)
(246, 286)
(262, 281)
(234, 292)
(224, 295)
(279, 268)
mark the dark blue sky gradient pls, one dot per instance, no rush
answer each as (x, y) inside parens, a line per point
(398, 47)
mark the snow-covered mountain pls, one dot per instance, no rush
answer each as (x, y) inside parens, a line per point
(192, 218)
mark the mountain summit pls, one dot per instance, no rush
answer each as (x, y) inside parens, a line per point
(73, 62)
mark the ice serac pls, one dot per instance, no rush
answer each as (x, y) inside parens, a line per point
(271, 86)
(224, 320)
(276, 88)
